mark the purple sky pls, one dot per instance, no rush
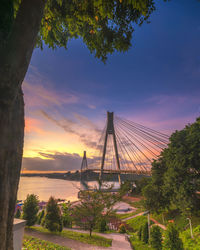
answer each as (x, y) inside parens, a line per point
(156, 83)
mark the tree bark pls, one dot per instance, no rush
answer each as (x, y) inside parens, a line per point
(15, 55)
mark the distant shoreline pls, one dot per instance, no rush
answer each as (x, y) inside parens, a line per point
(87, 176)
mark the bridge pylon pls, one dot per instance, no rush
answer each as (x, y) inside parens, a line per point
(84, 165)
(110, 130)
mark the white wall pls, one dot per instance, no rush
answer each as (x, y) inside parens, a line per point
(18, 233)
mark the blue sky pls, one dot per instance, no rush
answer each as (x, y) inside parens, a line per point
(155, 83)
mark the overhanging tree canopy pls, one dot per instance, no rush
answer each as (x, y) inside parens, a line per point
(105, 26)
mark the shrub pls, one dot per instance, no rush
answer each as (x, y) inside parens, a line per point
(172, 240)
(145, 233)
(122, 229)
(66, 215)
(140, 233)
(103, 225)
(18, 213)
(30, 209)
(53, 219)
(156, 238)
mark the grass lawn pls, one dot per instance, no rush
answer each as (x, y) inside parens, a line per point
(137, 222)
(188, 242)
(32, 243)
(83, 237)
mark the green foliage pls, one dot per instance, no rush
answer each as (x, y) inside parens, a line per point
(126, 187)
(140, 233)
(140, 184)
(104, 26)
(138, 245)
(93, 204)
(189, 243)
(67, 215)
(137, 222)
(40, 217)
(83, 237)
(172, 240)
(145, 233)
(122, 229)
(175, 175)
(32, 243)
(30, 209)
(53, 219)
(103, 225)
(156, 238)
(18, 214)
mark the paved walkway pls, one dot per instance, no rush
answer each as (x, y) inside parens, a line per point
(133, 216)
(158, 224)
(120, 242)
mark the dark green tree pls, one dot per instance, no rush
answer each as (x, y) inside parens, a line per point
(156, 238)
(102, 225)
(53, 218)
(40, 217)
(175, 175)
(30, 209)
(140, 184)
(155, 199)
(145, 233)
(140, 233)
(18, 214)
(104, 26)
(172, 240)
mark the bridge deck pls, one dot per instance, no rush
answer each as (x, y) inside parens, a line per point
(121, 171)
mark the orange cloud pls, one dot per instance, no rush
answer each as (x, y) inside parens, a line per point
(33, 125)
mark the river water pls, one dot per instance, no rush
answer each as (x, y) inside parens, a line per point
(44, 188)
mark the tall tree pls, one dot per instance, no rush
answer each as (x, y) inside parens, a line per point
(93, 207)
(104, 26)
(172, 240)
(53, 217)
(30, 209)
(156, 238)
(175, 175)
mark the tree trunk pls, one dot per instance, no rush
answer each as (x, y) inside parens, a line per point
(15, 55)
(11, 148)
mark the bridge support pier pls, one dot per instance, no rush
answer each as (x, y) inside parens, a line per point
(110, 130)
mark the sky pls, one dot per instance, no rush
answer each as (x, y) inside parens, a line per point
(156, 83)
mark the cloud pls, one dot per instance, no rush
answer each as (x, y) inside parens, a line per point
(82, 127)
(91, 106)
(38, 95)
(166, 113)
(54, 162)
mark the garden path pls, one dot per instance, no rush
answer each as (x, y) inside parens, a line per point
(120, 241)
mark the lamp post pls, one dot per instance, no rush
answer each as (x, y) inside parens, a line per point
(190, 223)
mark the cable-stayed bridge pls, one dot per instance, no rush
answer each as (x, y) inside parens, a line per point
(125, 147)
